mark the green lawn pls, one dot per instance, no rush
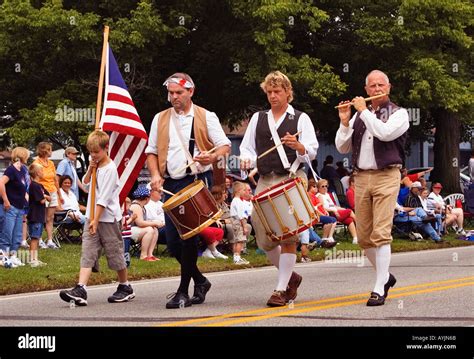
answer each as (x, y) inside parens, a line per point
(63, 265)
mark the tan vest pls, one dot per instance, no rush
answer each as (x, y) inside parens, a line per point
(200, 133)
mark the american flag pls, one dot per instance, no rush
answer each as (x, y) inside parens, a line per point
(128, 138)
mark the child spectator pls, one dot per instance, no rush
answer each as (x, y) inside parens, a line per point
(36, 212)
(103, 229)
(128, 218)
(239, 214)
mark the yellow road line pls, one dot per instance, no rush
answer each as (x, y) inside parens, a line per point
(304, 304)
(329, 306)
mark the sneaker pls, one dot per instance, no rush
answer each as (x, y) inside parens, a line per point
(25, 245)
(354, 241)
(77, 294)
(42, 245)
(124, 293)
(241, 261)
(278, 299)
(37, 263)
(312, 245)
(16, 261)
(461, 232)
(219, 255)
(51, 245)
(305, 259)
(327, 244)
(208, 254)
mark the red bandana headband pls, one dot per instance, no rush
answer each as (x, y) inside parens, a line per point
(182, 82)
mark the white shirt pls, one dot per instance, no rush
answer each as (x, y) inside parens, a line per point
(434, 198)
(239, 209)
(106, 194)
(176, 157)
(328, 203)
(396, 125)
(70, 201)
(154, 211)
(426, 206)
(248, 148)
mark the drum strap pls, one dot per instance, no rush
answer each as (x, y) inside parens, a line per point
(282, 154)
(276, 139)
(191, 144)
(187, 153)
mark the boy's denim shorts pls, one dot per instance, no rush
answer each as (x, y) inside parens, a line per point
(35, 229)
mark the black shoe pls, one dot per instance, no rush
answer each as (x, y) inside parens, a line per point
(200, 291)
(178, 300)
(390, 283)
(375, 300)
(327, 244)
(124, 293)
(77, 294)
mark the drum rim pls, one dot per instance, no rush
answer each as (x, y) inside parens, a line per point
(291, 181)
(179, 197)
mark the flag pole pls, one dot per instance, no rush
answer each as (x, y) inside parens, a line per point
(98, 113)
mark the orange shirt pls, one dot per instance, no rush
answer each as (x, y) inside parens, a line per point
(318, 205)
(49, 174)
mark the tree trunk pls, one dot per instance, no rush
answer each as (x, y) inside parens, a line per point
(446, 151)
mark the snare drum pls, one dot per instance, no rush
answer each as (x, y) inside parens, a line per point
(192, 209)
(285, 209)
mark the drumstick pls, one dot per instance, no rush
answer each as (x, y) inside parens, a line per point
(167, 192)
(274, 147)
(193, 162)
(365, 99)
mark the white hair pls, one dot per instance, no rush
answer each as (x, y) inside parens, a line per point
(378, 71)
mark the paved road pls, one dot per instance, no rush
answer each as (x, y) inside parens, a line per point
(434, 288)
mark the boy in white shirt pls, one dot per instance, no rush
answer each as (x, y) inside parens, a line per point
(103, 231)
(239, 213)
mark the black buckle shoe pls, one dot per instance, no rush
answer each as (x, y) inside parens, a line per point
(178, 300)
(375, 300)
(200, 291)
(390, 283)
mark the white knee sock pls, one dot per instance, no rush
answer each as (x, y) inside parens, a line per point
(383, 256)
(287, 264)
(371, 253)
(274, 256)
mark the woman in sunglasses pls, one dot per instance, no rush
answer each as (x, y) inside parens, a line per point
(343, 215)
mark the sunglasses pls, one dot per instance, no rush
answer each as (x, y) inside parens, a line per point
(324, 186)
(437, 187)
